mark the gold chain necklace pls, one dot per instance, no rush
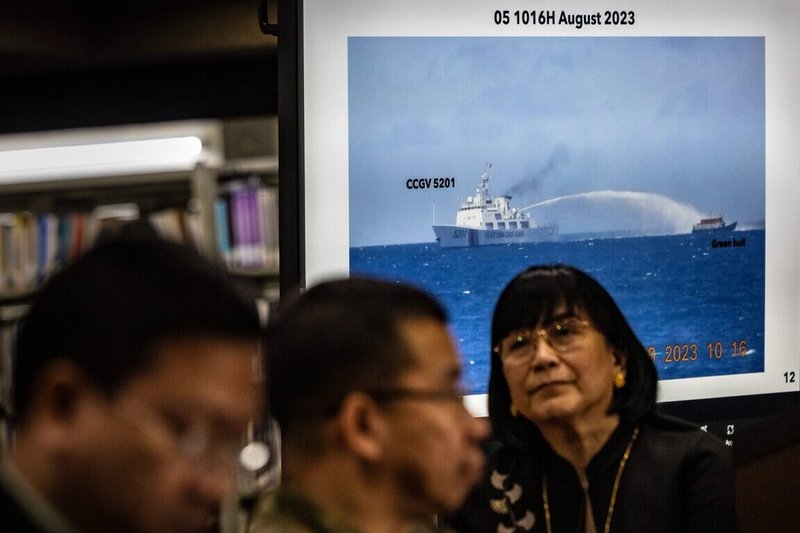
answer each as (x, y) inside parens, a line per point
(610, 513)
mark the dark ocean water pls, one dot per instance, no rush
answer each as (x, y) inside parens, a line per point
(699, 308)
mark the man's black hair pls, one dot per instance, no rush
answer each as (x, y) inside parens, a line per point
(107, 311)
(339, 337)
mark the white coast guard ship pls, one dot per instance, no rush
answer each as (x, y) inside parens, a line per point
(483, 220)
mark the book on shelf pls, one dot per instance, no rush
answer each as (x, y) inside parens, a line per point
(240, 226)
(177, 224)
(222, 229)
(19, 235)
(34, 246)
(47, 246)
(247, 225)
(268, 211)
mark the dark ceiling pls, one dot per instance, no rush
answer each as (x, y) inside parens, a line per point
(85, 63)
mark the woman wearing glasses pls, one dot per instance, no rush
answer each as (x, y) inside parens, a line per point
(572, 395)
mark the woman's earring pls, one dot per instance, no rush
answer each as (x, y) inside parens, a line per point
(619, 380)
(513, 410)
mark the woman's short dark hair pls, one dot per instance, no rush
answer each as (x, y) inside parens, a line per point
(533, 298)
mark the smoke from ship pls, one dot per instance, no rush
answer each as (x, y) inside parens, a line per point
(558, 157)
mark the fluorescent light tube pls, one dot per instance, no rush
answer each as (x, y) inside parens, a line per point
(102, 159)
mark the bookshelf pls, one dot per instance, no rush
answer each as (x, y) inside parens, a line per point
(225, 204)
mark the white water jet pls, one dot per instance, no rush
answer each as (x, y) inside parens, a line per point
(628, 212)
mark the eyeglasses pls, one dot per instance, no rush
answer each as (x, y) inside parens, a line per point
(562, 335)
(397, 394)
(421, 395)
(194, 440)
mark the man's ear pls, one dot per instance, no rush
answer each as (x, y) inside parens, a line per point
(363, 426)
(60, 420)
(58, 392)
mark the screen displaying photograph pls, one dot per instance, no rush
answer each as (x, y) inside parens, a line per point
(452, 144)
(640, 160)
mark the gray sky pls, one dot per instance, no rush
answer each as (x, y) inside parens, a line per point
(680, 121)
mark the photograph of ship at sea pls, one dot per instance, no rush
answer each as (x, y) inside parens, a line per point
(640, 160)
